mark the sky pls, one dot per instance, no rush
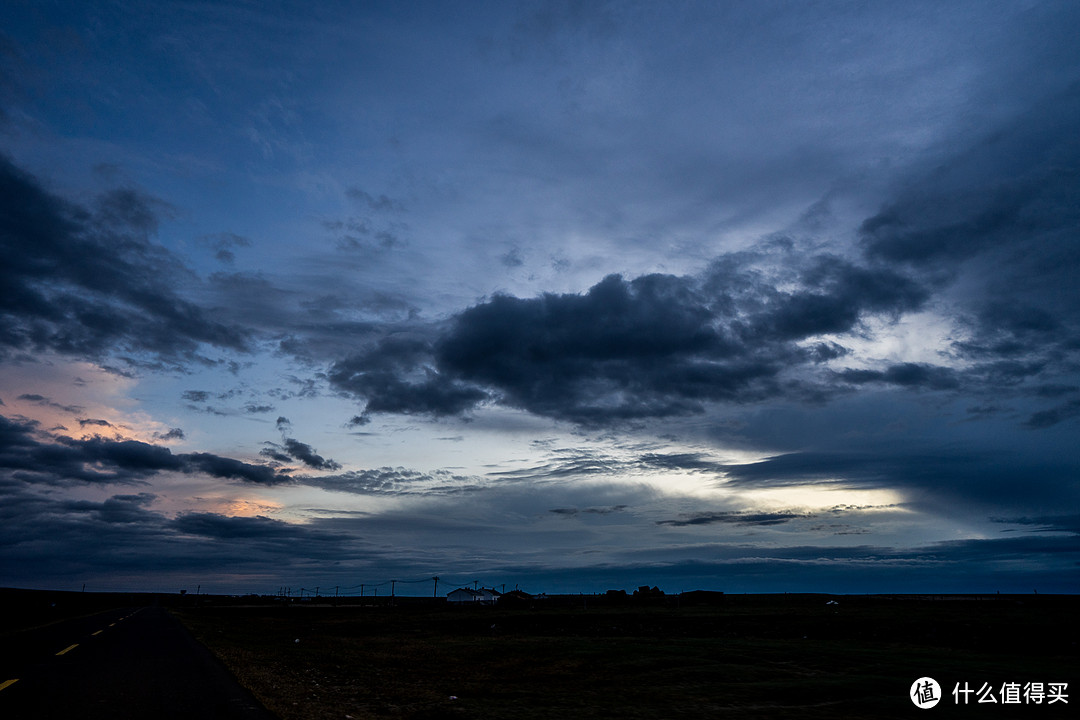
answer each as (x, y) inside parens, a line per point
(569, 296)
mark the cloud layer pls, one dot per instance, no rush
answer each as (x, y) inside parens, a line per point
(707, 294)
(33, 457)
(653, 346)
(88, 281)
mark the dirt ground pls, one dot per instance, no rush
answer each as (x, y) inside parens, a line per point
(744, 656)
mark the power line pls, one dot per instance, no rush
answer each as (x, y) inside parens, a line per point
(448, 584)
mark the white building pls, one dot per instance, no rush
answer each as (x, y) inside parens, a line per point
(463, 596)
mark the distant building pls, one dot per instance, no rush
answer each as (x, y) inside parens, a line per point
(515, 596)
(469, 596)
(461, 595)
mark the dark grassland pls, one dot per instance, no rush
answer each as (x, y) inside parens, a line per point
(742, 656)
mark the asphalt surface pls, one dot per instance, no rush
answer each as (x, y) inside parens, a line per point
(124, 663)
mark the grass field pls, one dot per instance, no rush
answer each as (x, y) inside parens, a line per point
(745, 657)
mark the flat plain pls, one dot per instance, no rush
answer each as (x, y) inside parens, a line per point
(745, 656)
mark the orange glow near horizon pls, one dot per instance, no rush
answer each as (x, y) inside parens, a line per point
(240, 507)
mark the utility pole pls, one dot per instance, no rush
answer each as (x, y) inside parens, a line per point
(392, 584)
(436, 593)
(474, 584)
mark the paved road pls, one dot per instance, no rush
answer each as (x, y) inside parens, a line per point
(126, 663)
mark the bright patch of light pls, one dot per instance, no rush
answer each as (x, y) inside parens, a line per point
(241, 506)
(925, 337)
(818, 497)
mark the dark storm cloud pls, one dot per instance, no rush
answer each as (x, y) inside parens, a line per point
(124, 535)
(129, 456)
(572, 512)
(44, 401)
(61, 535)
(397, 376)
(621, 349)
(696, 462)
(275, 453)
(57, 460)
(295, 450)
(987, 230)
(222, 527)
(231, 469)
(1054, 415)
(124, 509)
(1047, 523)
(909, 375)
(836, 294)
(1011, 187)
(98, 461)
(999, 219)
(654, 346)
(87, 281)
(733, 518)
(95, 422)
(1003, 550)
(172, 434)
(15, 434)
(291, 449)
(307, 455)
(946, 477)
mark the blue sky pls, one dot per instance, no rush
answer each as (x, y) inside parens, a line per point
(738, 296)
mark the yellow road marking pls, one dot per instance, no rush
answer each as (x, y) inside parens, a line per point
(112, 624)
(68, 649)
(8, 683)
(97, 633)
